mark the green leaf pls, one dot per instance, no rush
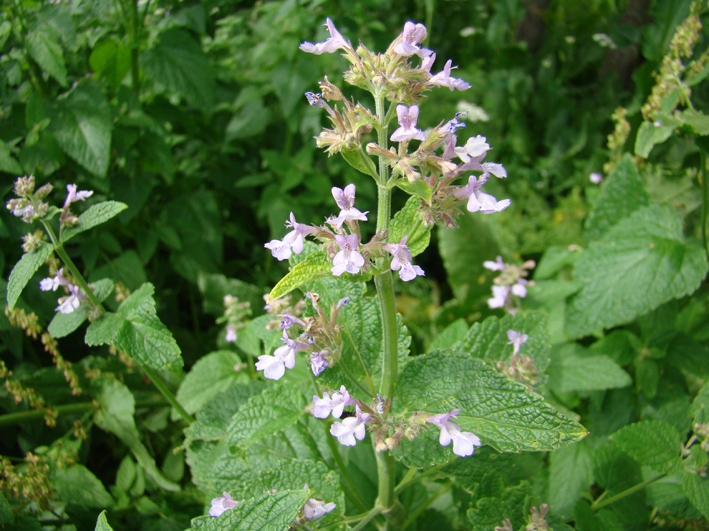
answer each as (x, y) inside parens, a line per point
(8, 163)
(315, 266)
(504, 414)
(81, 123)
(451, 335)
(43, 46)
(178, 63)
(275, 512)
(700, 406)
(652, 443)
(697, 490)
(360, 161)
(417, 189)
(78, 485)
(110, 60)
(514, 504)
(622, 194)
(276, 408)
(24, 270)
(95, 215)
(6, 516)
(137, 330)
(570, 474)
(696, 120)
(649, 134)
(408, 222)
(102, 523)
(574, 369)
(211, 375)
(63, 324)
(638, 265)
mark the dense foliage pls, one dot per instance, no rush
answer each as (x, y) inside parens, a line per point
(138, 394)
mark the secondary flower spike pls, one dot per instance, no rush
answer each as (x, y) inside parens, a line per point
(331, 45)
(464, 442)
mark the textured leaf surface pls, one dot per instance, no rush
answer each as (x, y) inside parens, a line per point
(639, 264)
(137, 330)
(408, 222)
(95, 215)
(502, 413)
(574, 369)
(278, 407)
(649, 134)
(102, 523)
(43, 46)
(697, 490)
(571, 473)
(111, 60)
(24, 270)
(78, 485)
(652, 443)
(451, 335)
(316, 265)
(360, 161)
(621, 194)
(700, 406)
(514, 504)
(275, 512)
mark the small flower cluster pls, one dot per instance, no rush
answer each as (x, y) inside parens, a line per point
(389, 433)
(520, 368)
(29, 205)
(510, 283)
(320, 337)
(348, 254)
(235, 313)
(314, 507)
(70, 302)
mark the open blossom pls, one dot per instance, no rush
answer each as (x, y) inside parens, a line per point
(72, 301)
(408, 117)
(292, 242)
(474, 147)
(412, 36)
(499, 296)
(221, 504)
(274, 367)
(335, 404)
(318, 362)
(517, 339)
(348, 259)
(315, 508)
(402, 260)
(73, 195)
(345, 200)
(464, 442)
(230, 333)
(480, 201)
(331, 45)
(444, 79)
(351, 428)
(595, 178)
(497, 265)
(520, 289)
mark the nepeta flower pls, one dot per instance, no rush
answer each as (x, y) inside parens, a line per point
(474, 147)
(408, 116)
(72, 301)
(274, 367)
(499, 296)
(464, 442)
(348, 259)
(595, 178)
(221, 504)
(480, 201)
(345, 200)
(351, 428)
(292, 242)
(520, 288)
(288, 321)
(497, 265)
(230, 333)
(323, 406)
(443, 79)
(517, 339)
(402, 260)
(331, 45)
(318, 362)
(315, 508)
(427, 62)
(52, 283)
(413, 34)
(73, 195)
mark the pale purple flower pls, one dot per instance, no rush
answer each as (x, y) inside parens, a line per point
(274, 367)
(402, 260)
(595, 178)
(517, 339)
(408, 116)
(72, 301)
(230, 333)
(345, 200)
(520, 288)
(288, 321)
(331, 45)
(293, 242)
(315, 508)
(73, 195)
(499, 296)
(221, 504)
(335, 404)
(480, 201)
(52, 283)
(464, 442)
(318, 363)
(351, 428)
(348, 259)
(497, 265)
(474, 147)
(413, 35)
(427, 62)
(444, 79)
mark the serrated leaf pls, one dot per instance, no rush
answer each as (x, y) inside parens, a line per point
(63, 324)
(78, 485)
(94, 215)
(274, 512)
(102, 523)
(696, 120)
(408, 222)
(451, 335)
(275, 409)
(638, 265)
(649, 134)
(697, 490)
(315, 266)
(622, 194)
(700, 406)
(211, 375)
(24, 270)
(513, 504)
(417, 188)
(504, 414)
(574, 369)
(137, 330)
(178, 63)
(652, 443)
(111, 60)
(570, 474)
(43, 46)
(360, 161)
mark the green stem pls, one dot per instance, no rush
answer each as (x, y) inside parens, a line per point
(705, 199)
(386, 472)
(155, 377)
(348, 485)
(134, 48)
(390, 369)
(599, 503)
(376, 510)
(423, 506)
